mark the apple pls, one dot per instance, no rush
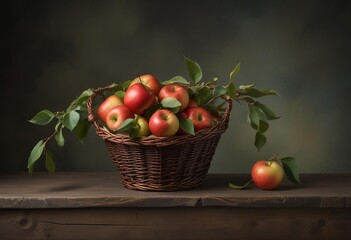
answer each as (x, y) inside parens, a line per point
(267, 175)
(143, 126)
(164, 123)
(200, 117)
(176, 91)
(139, 98)
(150, 81)
(106, 106)
(117, 115)
(192, 103)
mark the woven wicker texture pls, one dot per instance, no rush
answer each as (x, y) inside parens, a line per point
(161, 163)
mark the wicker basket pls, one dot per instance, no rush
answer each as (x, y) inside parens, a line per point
(161, 163)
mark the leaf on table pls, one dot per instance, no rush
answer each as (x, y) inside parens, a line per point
(290, 169)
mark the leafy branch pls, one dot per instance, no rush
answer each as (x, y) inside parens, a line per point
(74, 119)
(214, 97)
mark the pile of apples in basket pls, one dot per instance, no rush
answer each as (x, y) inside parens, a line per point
(148, 107)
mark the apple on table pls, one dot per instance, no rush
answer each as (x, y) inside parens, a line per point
(267, 175)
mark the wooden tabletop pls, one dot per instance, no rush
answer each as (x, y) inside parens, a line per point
(104, 189)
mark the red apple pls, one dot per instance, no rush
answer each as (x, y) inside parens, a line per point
(150, 81)
(200, 117)
(176, 91)
(139, 98)
(163, 123)
(107, 105)
(143, 126)
(267, 175)
(192, 103)
(117, 115)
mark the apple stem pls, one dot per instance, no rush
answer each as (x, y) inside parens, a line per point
(274, 158)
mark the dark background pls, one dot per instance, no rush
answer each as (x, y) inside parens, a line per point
(53, 50)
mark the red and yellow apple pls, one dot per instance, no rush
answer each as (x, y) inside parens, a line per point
(267, 175)
(139, 98)
(117, 115)
(176, 91)
(107, 105)
(150, 81)
(164, 123)
(200, 117)
(143, 126)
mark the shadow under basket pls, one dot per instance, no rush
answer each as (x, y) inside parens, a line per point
(161, 163)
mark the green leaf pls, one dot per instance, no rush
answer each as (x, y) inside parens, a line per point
(234, 72)
(170, 103)
(120, 94)
(187, 125)
(176, 79)
(80, 102)
(246, 86)
(239, 187)
(254, 117)
(133, 132)
(269, 113)
(253, 92)
(43, 117)
(260, 140)
(59, 137)
(84, 96)
(290, 169)
(127, 125)
(35, 153)
(219, 91)
(116, 87)
(174, 110)
(31, 170)
(263, 126)
(257, 119)
(153, 109)
(231, 90)
(126, 84)
(81, 130)
(203, 95)
(71, 119)
(49, 161)
(194, 70)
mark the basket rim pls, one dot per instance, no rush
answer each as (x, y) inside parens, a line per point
(152, 140)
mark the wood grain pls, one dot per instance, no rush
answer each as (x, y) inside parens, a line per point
(96, 206)
(81, 190)
(176, 223)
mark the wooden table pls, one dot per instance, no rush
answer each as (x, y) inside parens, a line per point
(97, 206)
